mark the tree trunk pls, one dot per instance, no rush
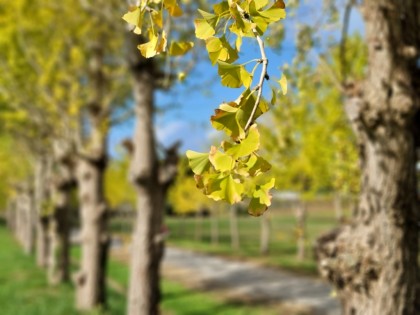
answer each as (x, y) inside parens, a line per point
(11, 215)
(338, 208)
(151, 183)
(301, 230)
(373, 262)
(265, 234)
(91, 166)
(215, 226)
(41, 179)
(198, 232)
(59, 236)
(26, 229)
(234, 231)
(144, 290)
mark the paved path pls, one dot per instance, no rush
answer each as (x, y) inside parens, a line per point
(249, 281)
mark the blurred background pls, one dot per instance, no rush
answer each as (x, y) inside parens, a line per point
(79, 107)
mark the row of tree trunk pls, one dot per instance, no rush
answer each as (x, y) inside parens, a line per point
(40, 214)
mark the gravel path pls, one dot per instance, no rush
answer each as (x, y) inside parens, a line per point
(248, 281)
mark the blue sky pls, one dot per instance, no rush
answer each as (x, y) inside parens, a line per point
(189, 105)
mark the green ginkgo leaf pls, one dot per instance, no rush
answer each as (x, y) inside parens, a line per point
(226, 119)
(250, 144)
(221, 8)
(199, 162)
(261, 198)
(247, 104)
(225, 188)
(210, 18)
(221, 162)
(234, 76)
(257, 165)
(203, 30)
(273, 97)
(276, 12)
(219, 49)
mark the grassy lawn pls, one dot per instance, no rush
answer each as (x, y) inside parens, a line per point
(24, 291)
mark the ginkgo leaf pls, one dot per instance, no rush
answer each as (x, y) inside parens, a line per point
(257, 165)
(210, 18)
(157, 18)
(203, 30)
(246, 77)
(219, 49)
(237, 17)
(259, 4)
(226, 119)
(221, 8)
(225, 188)
(230, 74)
(247, 104)
(273, 97)
(261, 198)
(283, 84)
(234, 76)
(173, 8)
(148, 50)
(245, 30)
(275, 12)
(180, 48)
(220, 161)
(134, 17)
(199, 162)
(250, 144)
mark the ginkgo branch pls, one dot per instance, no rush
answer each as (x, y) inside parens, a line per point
(263, 75)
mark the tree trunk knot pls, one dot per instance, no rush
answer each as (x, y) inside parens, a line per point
(346, 262)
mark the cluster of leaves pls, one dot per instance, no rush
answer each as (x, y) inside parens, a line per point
(148, 20)
(232, 171)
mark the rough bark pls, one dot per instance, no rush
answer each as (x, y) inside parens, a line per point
(91, 165)
(151, 182)
(265, 234)
(372, 262)
(144, 291)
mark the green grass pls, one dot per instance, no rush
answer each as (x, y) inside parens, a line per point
(24, 291)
